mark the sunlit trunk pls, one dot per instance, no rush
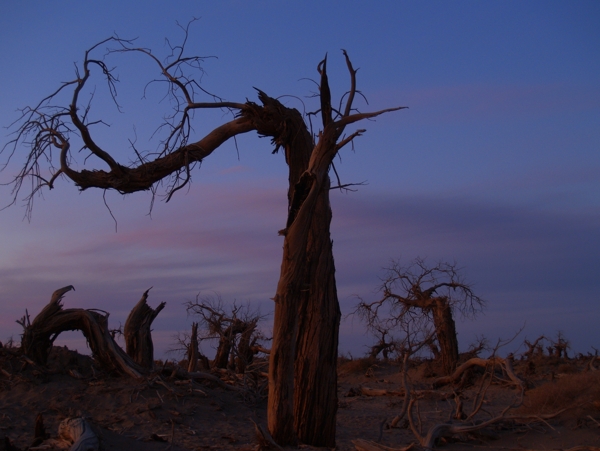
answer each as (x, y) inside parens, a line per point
(315, 395)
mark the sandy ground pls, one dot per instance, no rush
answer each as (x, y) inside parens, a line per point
(162, 413)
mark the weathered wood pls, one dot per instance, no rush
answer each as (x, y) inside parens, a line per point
(367, 445)
(445, 330)
(306, 292)
(192, 350)
(366, 391)
(201, 375)
(449, 429)
(138, 335)
(505, 364)
(80, 433)
(53, 320)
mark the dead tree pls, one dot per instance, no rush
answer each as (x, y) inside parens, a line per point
(192, 350)
(383, 346)
(420, 295)
(534, 349)
(559, 347)
(138, 336)
(302, 372)
(235, 330)
(39, 335)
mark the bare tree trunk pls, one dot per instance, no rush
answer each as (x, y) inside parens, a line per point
(445, 331)
(192, 351)
(245, 354)
(289, 131)
(315, 400)
(138, 335)
(227, 342)
(307, 269)
(222, 356)
(53, 320)
(303, 360)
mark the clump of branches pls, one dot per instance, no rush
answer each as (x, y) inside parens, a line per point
(60, 130)
(420, 297)
(235, 327)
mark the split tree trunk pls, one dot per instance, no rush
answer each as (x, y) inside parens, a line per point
(445, 330)
(192, 350)
(227, 341)
(138, 335)
(303, 359)
(245, 354)
(39, 336)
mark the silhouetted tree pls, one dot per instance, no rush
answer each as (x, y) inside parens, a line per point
(236, 330)
(418, 296)
(62, 141)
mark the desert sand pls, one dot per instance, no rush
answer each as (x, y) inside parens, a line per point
(164, 412)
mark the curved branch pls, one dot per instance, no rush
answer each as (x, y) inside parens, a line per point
(505, 364)
(142, 177)
(53, 320)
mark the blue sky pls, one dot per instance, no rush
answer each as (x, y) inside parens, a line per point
(495, 164)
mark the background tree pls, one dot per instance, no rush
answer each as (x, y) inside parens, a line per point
(40, 334)
(302, 370)
(236, 331)
(417, 296)
(137, 332)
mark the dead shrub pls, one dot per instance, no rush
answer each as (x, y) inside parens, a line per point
(581, 391)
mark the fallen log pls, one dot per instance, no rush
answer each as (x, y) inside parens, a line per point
(366, 391)
(367, 445)
(200, 375)
(450, 429)
(505, 364)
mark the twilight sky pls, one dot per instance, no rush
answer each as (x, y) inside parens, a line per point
(495, 165)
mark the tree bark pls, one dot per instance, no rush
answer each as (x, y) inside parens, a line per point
(315, 400)
(245, 354)
(53, 320)
(445, 330)
(308, 295)
(192, 350)
(138, 335)
(80, 433)
(303, 359)
(227, 341)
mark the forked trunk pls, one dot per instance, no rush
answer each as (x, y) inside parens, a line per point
(53, 320)
(302, 369)
(445, 330)
(138, 335)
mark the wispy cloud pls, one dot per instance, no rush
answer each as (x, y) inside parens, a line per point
(541, 261)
